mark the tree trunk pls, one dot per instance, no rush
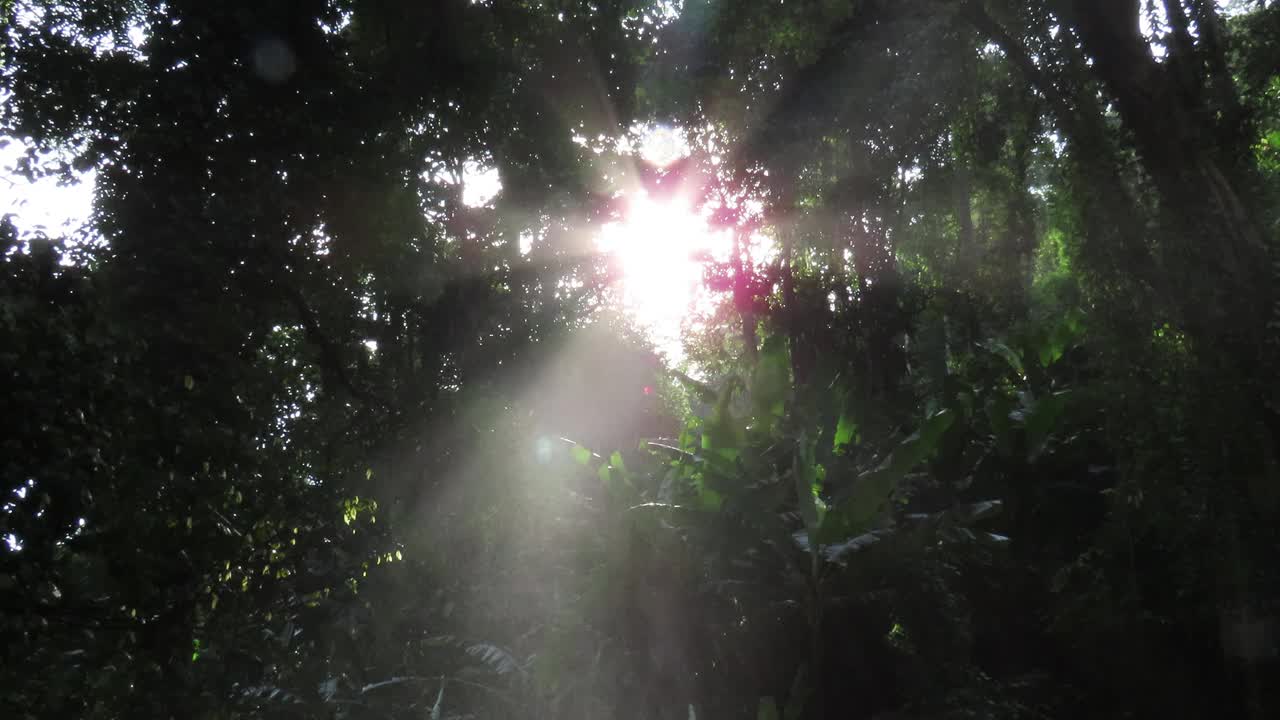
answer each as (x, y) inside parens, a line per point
(1212, 250)
(744, 295)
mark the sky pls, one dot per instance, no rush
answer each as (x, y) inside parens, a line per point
(43, 205)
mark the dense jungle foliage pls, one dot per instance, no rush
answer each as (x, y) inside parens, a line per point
(979, 418)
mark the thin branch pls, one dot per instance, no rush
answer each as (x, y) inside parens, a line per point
(330, 357)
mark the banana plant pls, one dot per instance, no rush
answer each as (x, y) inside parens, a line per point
(811, 490)
(1031, 405)
(810, 493)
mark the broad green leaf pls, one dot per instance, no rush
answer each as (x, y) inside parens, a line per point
(806, 480)
(846, 434)
(723, 432)
(688, 441)
(720, 467)
(998, 407)
(708, 499)
(580, 454)
(1041, 419)
(1061, 337)
(1010, 356)
(919, 445)
(615, 460)
(771, 381)
(857, 510)
(840, 552)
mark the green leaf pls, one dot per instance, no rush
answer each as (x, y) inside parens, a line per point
(688, 441)
(188, 382)
(857, 510)
(806, 480)
(1010, 356)
(1061, 337)
(580, 454)
(919, 445)
(839, 552)
(615, 460)
(846, 434)
(1041, 419)
(771, 381)
(998, 407)
(708, 499)
(768, 709)
(724, 434)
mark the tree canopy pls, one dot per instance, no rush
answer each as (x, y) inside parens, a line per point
(973, 413)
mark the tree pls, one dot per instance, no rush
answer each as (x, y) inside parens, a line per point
(980, 402)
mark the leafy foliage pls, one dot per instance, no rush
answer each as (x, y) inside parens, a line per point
(976, 415)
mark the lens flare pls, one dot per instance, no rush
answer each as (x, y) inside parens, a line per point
(657, 247)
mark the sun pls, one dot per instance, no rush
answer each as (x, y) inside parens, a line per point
(657, 247)
(660, 244)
